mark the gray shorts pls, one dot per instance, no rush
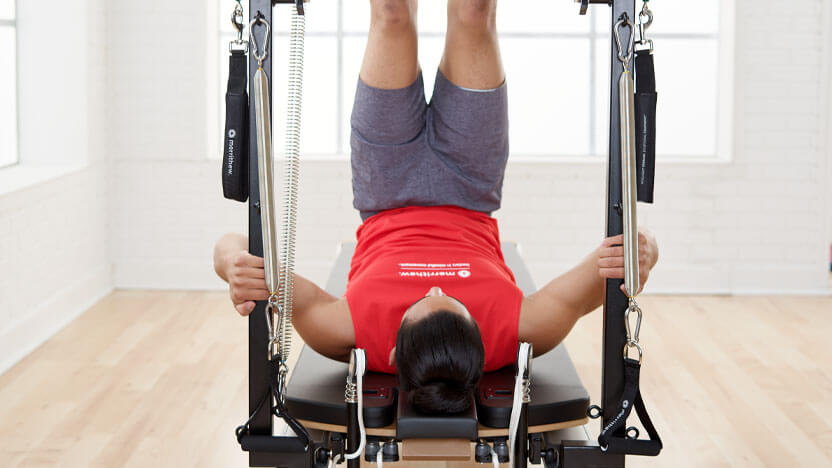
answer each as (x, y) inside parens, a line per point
(408, 153)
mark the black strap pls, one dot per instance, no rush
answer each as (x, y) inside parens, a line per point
(629, 398)
(645, 101)
(235, 145)
(243, 432)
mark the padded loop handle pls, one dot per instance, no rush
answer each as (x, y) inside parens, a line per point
(235, 145)
(645, 101)
(631, 397)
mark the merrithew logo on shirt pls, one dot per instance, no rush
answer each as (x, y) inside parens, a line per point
(434, 270)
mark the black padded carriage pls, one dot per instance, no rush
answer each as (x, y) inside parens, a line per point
(316, 389)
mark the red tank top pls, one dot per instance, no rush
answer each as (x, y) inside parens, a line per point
(402, 253)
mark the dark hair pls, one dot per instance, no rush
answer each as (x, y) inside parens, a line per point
(440, 360)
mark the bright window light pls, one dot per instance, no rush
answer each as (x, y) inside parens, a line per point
(8, 85)
(7, 10)
(557, 66)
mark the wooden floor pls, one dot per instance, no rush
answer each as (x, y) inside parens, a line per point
(158, 379)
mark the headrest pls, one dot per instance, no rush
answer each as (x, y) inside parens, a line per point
(412, 424)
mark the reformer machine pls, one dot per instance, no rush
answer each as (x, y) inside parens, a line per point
(519, 417)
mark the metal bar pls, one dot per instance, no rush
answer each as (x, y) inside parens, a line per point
(626, 90)
(258, 338)
(612, 378)
(352, 397)
(353, 434)
(522, 442)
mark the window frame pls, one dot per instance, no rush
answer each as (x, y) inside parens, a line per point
(724, 106)
(12, 23)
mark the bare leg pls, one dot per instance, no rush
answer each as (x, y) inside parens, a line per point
(390, 60)
(472, 52)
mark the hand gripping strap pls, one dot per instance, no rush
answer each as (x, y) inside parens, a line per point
(645, 100)
(631, 396)
(235, 146)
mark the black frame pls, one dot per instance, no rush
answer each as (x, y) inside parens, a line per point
(258, 336)
(571, 453)
(615, 302)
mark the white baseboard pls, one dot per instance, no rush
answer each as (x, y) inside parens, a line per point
(51, 315)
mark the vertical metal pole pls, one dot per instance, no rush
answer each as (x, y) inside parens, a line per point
(351, 399)
(258, 361)
(353, 434)
(522, 442)
(612, 382)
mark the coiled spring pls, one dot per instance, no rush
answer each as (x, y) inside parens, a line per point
(527, 394)
(351, 391)
(290, 183)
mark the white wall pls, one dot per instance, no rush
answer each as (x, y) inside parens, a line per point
(54, 242)
(828, 139)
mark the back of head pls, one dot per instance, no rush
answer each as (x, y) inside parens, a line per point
(440, 360)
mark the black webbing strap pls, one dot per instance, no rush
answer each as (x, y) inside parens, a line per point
(645, 100)
(235, 145)
(267, 443)
(630, 397)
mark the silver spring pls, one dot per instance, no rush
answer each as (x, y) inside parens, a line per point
(290, 180)
(351, 392)
(527, 395)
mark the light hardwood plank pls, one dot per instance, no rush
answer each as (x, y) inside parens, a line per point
(147, 378)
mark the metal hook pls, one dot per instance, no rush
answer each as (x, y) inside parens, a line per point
(633, 344)
(281, 381)
(238, 25)
(237, 21)
(633, 307)
(260, 19)
(645, 13)
(624, 21)
(272, 340)
(645, 19)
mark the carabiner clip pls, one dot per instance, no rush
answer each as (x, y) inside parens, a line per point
(238, 25)
(261, 20)
(237, 20)
(624, 56)
(645, 19)
(633, 307)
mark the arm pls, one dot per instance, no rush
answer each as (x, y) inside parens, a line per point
(547, 316)
(323, 321)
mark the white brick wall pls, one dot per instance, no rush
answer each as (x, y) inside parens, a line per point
(54, 241)
(754, 224)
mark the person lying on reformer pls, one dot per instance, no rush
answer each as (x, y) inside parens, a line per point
(429, 295)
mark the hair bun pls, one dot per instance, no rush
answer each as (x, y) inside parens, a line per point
(441, 397)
